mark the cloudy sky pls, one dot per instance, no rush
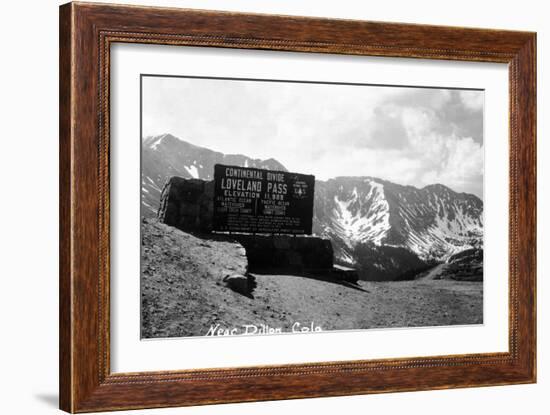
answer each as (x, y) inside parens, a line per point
(415, 136)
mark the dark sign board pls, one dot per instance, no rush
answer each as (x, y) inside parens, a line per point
(262, 201)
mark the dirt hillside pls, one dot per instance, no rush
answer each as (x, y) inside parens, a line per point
(183, 293)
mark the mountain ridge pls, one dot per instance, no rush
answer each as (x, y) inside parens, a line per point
(372, 223)
(165, 155)
(384, 181)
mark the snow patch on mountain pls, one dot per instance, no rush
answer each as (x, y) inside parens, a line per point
(434, 222)
(154, 143)
(192, 170)
(350, 222)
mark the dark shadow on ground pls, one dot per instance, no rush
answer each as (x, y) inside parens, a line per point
(243, 284)
(325, 276)
(207, 236)
(320, 275)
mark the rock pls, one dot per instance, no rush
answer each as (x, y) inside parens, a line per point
(345, 274)
(238, 283)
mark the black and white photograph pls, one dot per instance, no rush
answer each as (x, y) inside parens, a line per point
(275, 207)
(289, 207)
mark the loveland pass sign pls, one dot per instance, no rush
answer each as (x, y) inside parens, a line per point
(262, 201)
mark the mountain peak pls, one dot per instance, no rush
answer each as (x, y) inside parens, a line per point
(438, 187)
(441, 188)
(166, 155)
(167, 139)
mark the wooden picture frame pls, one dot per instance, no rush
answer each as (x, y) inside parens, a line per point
(86, 33)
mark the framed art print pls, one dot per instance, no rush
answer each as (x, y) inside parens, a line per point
(295, 206)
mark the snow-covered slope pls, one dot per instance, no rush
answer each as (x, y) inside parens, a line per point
(354, 224)
(434, 222)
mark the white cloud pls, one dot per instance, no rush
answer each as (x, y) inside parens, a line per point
(473, 100)
(405, 135)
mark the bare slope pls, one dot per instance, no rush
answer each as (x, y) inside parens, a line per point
(183, 293)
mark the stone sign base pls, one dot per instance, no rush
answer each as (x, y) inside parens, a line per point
(284, 252)
(187, 204)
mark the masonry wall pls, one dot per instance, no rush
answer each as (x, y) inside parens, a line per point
(187, 204)
(298, 253)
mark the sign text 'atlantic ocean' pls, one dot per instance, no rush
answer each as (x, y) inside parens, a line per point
(262, 201)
